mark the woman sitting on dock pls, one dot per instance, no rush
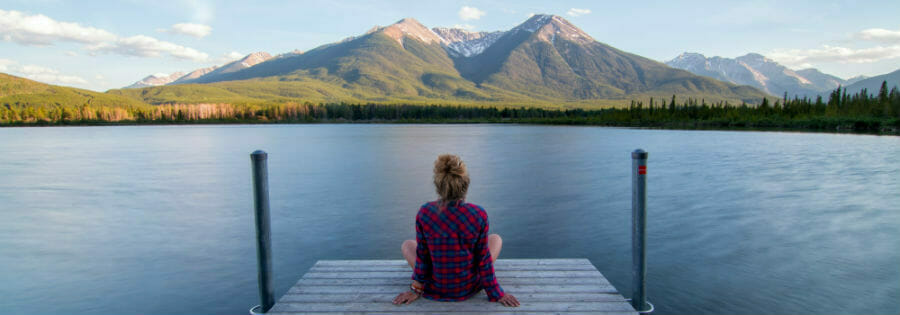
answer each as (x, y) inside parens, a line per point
(453, 255)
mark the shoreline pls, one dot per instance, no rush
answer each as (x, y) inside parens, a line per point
(682, 125)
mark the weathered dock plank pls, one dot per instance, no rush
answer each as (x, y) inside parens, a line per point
(388, 297)
(543, 286)
(340, 289)
(500, 274)
(405, 281)
(501, 262)
(405, 267)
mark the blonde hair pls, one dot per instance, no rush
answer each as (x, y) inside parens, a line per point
(451, 179)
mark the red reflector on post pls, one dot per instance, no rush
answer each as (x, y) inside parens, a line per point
(642, 170)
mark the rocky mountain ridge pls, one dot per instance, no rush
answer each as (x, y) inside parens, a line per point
(156, 80)
(464, 43)
(196, 75)
(758, 71)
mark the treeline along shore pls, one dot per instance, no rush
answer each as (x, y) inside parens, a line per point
(859, 112)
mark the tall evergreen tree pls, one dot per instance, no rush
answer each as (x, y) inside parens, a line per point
(672, 104)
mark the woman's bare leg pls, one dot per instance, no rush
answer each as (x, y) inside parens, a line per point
(495, 244)
(408, 249)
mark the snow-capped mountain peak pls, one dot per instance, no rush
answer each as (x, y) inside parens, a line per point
(453, 35)
(688, 58)
(558, 27)
(534, 23)
(463, 43)
(412, 28)
(460, 42)
(550, 27)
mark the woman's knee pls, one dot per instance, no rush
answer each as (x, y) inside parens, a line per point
(495, 239)
(408, 245)
(495, 243)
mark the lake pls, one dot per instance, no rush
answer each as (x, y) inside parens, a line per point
(158, 219)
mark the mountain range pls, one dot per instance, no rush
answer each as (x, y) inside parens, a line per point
(873, 84)
(762, 73)
(545, 60)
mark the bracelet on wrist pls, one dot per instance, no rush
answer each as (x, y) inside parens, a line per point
(416, 290)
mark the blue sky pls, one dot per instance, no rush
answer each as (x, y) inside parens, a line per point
(101, 45)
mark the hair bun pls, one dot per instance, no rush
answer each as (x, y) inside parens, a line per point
(448, 164)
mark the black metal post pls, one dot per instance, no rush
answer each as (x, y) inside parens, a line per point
(263, 238)
(639, 227)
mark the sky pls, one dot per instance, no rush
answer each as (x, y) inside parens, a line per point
(101, 45)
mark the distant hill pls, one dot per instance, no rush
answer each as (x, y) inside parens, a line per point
(545, 60)
(21, 92)
(156, 80)
(873, 84)
(216, 73)
(760, 72)
(856, 79)
(203, 74)
(193, 75)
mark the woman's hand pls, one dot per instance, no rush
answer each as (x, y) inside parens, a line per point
(509, 300)
(406, 297)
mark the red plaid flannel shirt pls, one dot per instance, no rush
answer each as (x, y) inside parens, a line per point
(452, 257)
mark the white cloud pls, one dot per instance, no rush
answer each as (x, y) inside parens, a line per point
(575, 12)
(41, 30)
(39, 73)
(229, 57)
(807, 58)
(71, 53)
(146, 46)
(803, 58)
(465, 27)
(190, 29)
(880, 35)
(469, 13)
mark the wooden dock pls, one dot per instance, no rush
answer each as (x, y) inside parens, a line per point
(543, 286)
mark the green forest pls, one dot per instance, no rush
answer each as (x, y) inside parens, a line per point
(859, 112)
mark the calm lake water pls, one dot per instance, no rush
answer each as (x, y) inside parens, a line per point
(158, 219)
